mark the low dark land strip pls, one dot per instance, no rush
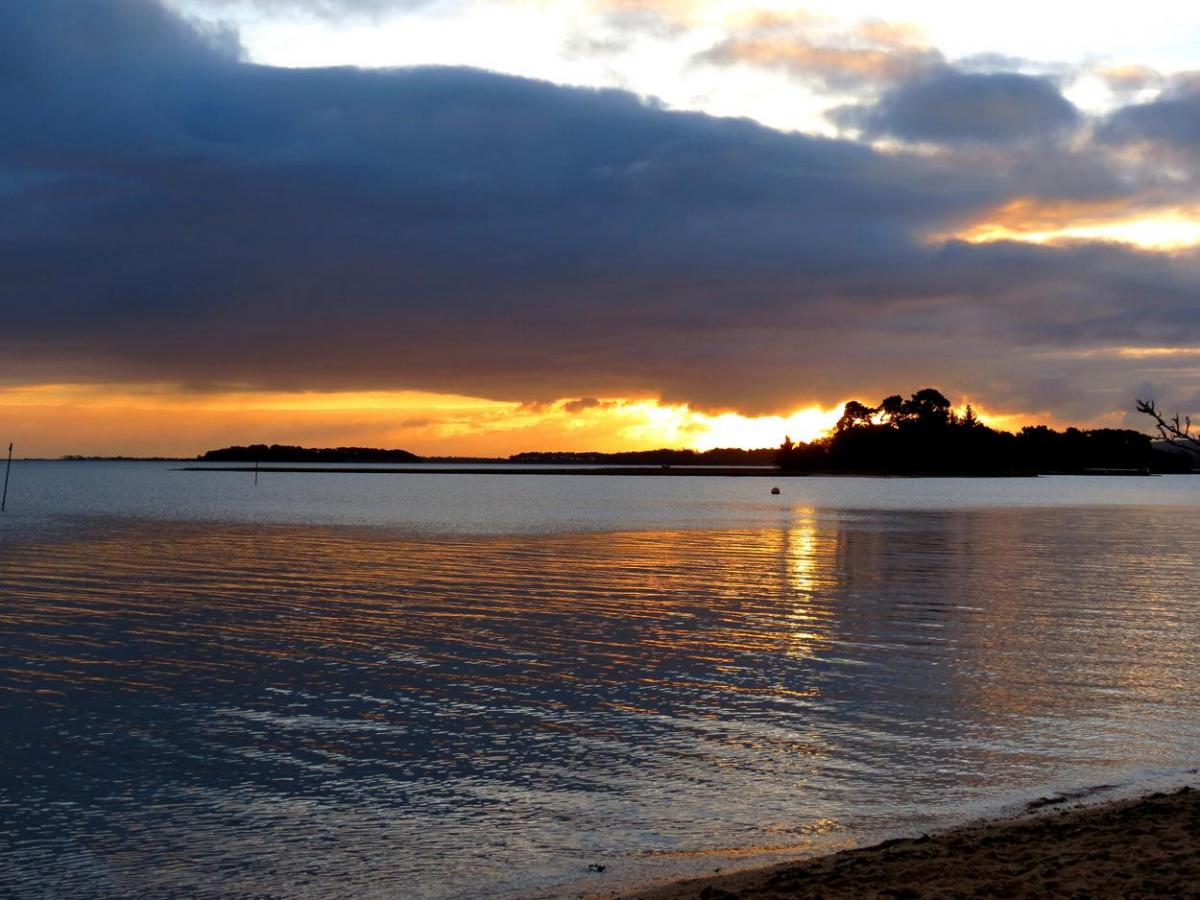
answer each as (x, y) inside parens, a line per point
(730, 471)
(635, 471)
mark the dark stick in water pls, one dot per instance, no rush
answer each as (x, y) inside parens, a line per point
(7, 469)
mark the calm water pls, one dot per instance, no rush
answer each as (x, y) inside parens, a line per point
(454, 686)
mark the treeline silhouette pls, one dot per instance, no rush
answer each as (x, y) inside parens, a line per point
(284, 453)
(722, 456)
(923, 435)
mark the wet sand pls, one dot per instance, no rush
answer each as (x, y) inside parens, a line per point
(1148, 847)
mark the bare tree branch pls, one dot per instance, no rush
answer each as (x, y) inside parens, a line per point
(1176, 432)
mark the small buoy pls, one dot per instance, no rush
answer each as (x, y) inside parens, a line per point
(774, 490)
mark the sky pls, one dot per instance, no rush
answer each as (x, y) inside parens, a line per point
(488, 226)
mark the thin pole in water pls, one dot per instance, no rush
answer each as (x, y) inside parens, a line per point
(256, 473)
(7, 469)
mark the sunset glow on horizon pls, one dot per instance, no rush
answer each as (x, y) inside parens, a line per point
(160, 420)
(165, 420)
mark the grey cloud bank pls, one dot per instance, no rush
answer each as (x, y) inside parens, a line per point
(175, 213)
(946, 105)
(1170, 122)
(323, 8)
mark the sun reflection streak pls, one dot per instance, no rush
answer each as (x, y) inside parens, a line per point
(808, 554)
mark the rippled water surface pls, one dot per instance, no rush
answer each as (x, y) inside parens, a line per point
(459, 686)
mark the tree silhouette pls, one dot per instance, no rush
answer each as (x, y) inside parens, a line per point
(1176, 432)
(854, 415)
(928, 406)
(893, 409)
(924, 435)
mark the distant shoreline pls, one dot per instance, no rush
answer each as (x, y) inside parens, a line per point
(608, 471)
(509, 469)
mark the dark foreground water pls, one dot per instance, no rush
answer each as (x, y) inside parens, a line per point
(213, 692)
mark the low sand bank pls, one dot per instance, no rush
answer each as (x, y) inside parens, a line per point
(1148, 847)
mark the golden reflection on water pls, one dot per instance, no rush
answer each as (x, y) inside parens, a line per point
(810, 551)
(658, 696)
(997, 586)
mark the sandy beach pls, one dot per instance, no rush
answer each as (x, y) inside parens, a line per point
(1148, 847)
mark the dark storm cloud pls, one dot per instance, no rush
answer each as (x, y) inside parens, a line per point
(174, 213)
(1170, 121)
(948, 105)
(903, 88)
(329, 9)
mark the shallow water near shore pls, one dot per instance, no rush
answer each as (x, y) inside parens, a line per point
(454, 686)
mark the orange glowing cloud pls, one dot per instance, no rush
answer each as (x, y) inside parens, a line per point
(1131, 78)
(1126, 221)
(866, 63)
(812, 46)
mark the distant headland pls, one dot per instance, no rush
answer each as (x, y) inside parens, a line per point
(279, 453)
(285, 453)
(924, 435)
